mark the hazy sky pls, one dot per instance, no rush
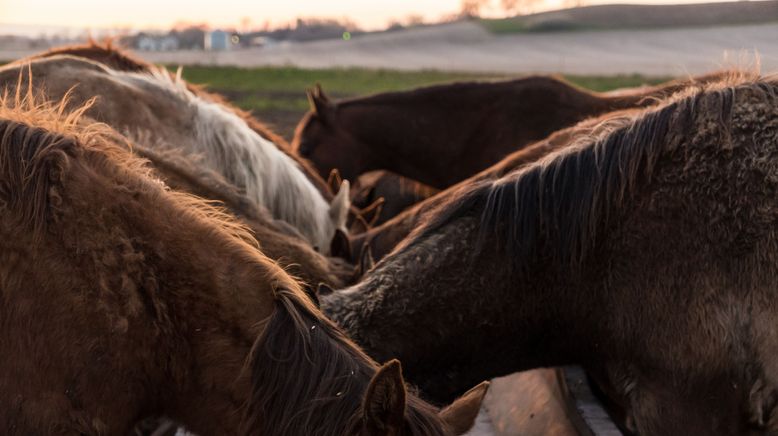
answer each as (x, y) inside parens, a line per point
(164, 13)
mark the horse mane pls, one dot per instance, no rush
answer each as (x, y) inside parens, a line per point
(268, 175)
(38, 141)
(107, 53)
(120, 59)
(298, 340)
(567, 199)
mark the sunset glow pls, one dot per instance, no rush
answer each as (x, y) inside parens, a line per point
(144, 14)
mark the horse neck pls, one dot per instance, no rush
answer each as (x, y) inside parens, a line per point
(409, 149)
(432, 307)
(270, 177)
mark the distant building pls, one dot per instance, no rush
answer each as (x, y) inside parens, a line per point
(218, 40)
(156, 43)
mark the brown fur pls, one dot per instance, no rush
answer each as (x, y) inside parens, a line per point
(121, 60)
(123, 298)
(648, 256)
(382, 239)
(150, 121)
(277, 240)
(395, 194)
(442, 134)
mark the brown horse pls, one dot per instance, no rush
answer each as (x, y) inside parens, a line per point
(442, 134)
(278, 240)
(123, 298)
(382, 239)
(389, 191)
(647, 256)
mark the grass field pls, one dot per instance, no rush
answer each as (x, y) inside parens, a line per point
(277, 95)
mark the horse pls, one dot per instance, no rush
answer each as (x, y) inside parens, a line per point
(157, 105)
(389, 191)
(646, 255)
(123, 298)
(380, 240)
(442, 134)
(278, 240)
(116, 58)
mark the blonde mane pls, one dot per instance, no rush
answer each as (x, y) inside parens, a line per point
(267, 175)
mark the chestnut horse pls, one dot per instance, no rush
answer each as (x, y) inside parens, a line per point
(156, 105)
(648, 256)
(442, 134)
(123, 299)
(278, 240)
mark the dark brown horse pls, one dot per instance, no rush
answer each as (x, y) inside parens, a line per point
(123, 298)
(648, 256)
(382, 239)
(442, 134)
(389, 192)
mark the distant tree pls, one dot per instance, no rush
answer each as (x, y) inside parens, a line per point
(394, 25)
(414, 20)
(513, 7)
(472, 8)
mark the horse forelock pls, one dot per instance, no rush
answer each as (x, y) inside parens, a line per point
(566, 199)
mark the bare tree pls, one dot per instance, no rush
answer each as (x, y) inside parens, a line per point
(472, 8)
(414, 20)
(512, 7)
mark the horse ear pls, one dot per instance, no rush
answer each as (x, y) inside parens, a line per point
(324, 289)
(376, 208)
(340, 245)
(366, 261)
(384, 404)
(340, 205)
(334, 180)
(313, 294)
(320, 93)
(320, 103)
(461, 415)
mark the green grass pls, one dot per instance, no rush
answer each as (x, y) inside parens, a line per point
(283, 88)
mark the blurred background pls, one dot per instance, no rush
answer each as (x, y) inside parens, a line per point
(263, 55)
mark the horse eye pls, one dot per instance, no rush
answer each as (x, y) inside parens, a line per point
(306, 148)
